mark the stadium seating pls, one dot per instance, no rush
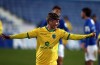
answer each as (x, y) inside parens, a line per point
(34, 11)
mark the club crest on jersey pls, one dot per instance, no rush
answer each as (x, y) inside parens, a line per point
(53, 36)
(47, 44)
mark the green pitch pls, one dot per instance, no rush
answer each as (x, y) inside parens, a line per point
(27, 57)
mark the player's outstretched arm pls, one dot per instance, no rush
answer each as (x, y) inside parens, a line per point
(19, 36)
(30, 34)
(16, 36)
(78, 37)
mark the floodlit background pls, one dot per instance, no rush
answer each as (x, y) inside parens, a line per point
(24, 15)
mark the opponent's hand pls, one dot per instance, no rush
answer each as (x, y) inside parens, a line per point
(3, 36)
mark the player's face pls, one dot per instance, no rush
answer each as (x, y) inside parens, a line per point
(54, 24)
(57, 11)
(82, 15)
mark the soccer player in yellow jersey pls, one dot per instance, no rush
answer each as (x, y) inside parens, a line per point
(47, 40)
(1, 28)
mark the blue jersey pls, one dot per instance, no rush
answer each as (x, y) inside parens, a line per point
(89, 27)
(97, 25)
(61, 26)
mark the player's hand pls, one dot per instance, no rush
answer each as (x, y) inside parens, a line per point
(3, 36)
(93, 34)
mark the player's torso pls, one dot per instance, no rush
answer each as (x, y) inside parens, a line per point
(47, 38)
(89, 24)
(47, 45)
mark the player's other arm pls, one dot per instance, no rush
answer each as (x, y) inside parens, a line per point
(76, 36)
(30, 34)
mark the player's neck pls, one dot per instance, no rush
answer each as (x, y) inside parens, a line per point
(49, 27)
(86, 18)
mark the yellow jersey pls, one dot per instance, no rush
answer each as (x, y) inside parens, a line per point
(47, 43)
(1, 28)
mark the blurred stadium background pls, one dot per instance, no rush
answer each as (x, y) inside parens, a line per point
(24, 15)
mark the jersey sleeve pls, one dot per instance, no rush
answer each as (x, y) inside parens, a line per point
(19, 36)
(90, 27)
(66, 35)
(33, 33)
(79, 36)
(30, 34)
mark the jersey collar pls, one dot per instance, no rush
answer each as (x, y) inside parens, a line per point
(49, 30)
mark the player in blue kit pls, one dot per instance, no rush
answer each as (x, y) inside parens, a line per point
(97, 24)
(57, 10)
(90, 43)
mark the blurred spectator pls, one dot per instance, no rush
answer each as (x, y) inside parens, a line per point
(1, 28)
(97, 24)
(68, 23)
(69, 26)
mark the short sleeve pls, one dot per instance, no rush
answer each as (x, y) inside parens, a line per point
(33, 33)
(92, 27)
(65, 35)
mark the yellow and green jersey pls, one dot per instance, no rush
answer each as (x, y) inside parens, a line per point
(1, 28)
(47, 43)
